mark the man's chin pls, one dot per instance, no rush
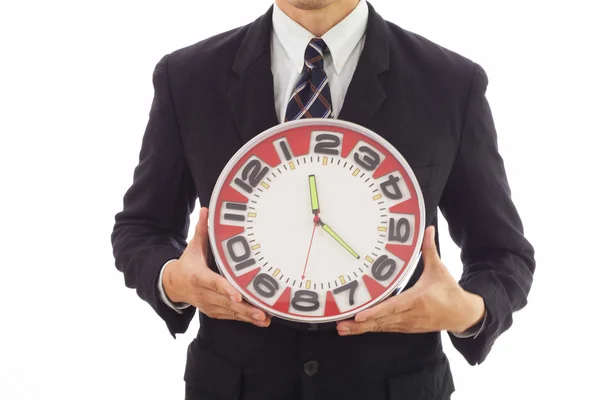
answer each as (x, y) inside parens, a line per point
(308, 5)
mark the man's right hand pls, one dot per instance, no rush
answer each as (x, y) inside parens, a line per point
(190, 280)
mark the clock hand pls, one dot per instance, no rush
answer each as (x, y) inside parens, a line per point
(314, 197)
(316, 221)
(338, 239)
(314, 202)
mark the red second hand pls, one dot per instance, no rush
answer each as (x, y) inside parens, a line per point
(315, 221)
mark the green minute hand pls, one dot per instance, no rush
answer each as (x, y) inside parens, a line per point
(339, 240)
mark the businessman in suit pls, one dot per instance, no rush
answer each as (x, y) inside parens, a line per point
(212, 97)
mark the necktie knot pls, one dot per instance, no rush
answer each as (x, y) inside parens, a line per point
(313, 57)
(312, 97)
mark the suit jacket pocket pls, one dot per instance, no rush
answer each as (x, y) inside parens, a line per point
(210, 377)
(431, 382)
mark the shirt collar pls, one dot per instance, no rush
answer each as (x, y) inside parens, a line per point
(341, 39)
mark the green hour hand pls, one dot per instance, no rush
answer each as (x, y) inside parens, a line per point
(314, 197)
(339, 240)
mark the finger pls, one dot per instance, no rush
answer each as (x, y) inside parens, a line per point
(225, 314)
(216, 283)
(429, 249)
(358, 328)
(217, 312)
(407, 322)
(214, 299)
(199, 242)
(396, 304)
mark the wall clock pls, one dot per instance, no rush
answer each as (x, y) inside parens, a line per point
(317, 219)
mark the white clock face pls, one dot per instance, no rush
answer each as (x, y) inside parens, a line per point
(316, 220)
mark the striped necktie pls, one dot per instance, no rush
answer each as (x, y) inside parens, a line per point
(311, 98)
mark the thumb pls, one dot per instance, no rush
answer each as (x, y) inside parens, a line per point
(199, 242)
(429, 249)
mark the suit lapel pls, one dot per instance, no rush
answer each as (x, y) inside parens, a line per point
(366, 93)
(252, 97)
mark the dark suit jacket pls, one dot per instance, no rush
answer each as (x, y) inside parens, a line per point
(212, 97)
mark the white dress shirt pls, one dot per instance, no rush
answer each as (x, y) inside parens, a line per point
(345, 42)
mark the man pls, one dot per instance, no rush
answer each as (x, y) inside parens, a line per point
(212, 97)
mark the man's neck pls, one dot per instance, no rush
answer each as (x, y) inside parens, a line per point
(318, 22)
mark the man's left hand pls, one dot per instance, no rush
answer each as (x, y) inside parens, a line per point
(435, 303)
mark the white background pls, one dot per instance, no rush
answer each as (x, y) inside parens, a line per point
(75, 91)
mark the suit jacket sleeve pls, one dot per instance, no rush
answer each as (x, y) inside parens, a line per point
(498, 261)
(152, 228)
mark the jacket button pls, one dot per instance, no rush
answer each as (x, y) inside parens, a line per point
(311, 368)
